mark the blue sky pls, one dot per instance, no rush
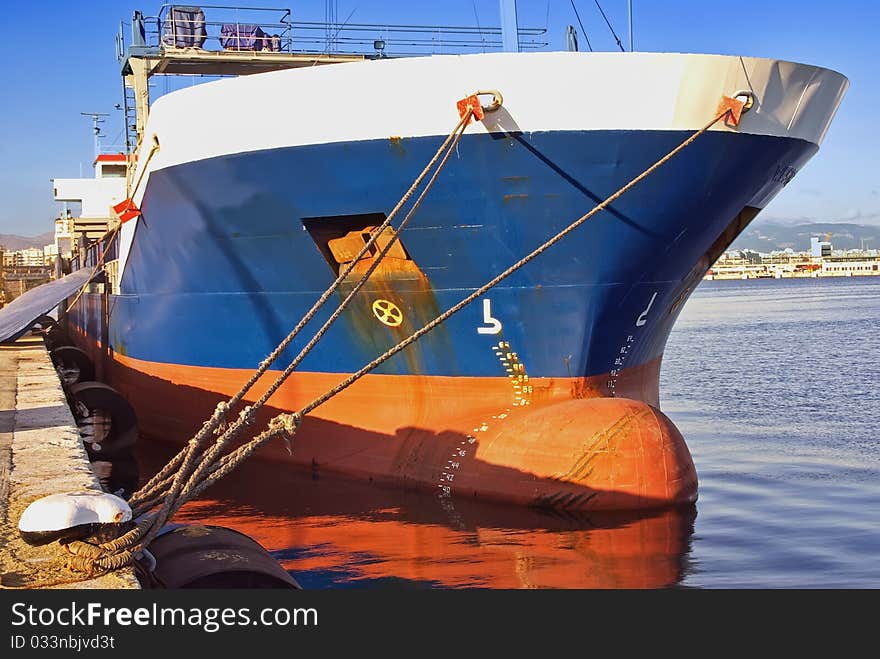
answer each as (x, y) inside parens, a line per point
(61, 61)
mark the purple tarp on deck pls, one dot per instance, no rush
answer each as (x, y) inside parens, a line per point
(185, 28)
(239, 36)
(18, 316)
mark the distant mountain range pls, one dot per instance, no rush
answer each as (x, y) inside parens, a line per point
(771, 236)
(13, 243)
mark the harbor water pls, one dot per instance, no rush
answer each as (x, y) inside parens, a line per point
(774, 385)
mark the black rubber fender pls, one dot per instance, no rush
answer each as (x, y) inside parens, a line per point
(96, 400)
(207, 556)
(73, 365)
(55, 337)
(44, 323)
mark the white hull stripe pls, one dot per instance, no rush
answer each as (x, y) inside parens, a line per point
(416, 97)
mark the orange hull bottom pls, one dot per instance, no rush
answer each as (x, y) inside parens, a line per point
(552, 442)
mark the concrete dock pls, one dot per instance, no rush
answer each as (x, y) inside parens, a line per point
(40, 454)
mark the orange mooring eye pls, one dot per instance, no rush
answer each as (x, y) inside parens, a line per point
(733, 107)
(473, 103)
(126, 210)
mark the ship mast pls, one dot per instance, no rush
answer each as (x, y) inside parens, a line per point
(97, 120)
(509, 27)
(629, 7)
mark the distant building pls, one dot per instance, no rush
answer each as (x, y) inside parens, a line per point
(49, 253)
(819, 248)
(25, 269)
(850, 266)
(19, 278)
(32, 256)
(820, 261)
(751, 256)
(64, 230)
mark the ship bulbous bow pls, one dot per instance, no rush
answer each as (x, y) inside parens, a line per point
(587, 454)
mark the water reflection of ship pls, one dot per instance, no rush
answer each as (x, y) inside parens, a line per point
(331, 532)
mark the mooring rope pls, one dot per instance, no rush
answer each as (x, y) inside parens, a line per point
(192, 479)
(219, 415)
(173, 491)
(247, 415)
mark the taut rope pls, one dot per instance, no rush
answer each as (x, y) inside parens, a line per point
(195, 470)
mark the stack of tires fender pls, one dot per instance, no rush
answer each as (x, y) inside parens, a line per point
(181, 556)
(107, 423)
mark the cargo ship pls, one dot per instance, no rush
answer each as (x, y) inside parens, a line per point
(249, 195)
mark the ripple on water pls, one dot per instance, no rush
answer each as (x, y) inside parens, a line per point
(774, 385)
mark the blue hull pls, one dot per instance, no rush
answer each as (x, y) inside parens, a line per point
(222, 267)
